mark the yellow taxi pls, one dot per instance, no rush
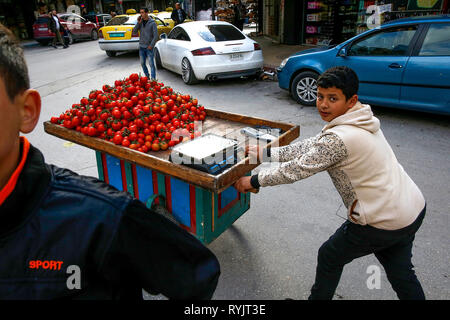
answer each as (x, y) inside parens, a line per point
(117, 35)
(166, 16)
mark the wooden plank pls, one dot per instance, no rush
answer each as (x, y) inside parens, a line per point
(252, 121)
(185, 173)
(217, 122)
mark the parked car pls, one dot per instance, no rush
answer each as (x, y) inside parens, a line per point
(77, 28)
(41, 32)
(100, 19)
(208, 50)
(118, 34)
(402, 64)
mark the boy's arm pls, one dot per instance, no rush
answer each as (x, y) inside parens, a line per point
(291, 151)
(323, 152)
(137, 27)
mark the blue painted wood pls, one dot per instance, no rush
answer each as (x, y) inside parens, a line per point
(144, 183)
(180, 201)
(114, 172)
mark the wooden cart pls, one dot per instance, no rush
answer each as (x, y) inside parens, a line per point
(204, 204)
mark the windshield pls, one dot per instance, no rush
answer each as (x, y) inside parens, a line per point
(128, 20)
(220, 32)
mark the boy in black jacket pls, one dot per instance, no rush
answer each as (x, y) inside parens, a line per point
(68, 236)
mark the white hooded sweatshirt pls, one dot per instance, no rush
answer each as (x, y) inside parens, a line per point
(374, 187)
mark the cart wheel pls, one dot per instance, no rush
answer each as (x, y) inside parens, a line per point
(160, 208)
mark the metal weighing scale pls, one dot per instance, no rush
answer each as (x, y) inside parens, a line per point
(209, 153)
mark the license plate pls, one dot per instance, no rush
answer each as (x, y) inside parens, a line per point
(236, 56)
(116, 35)
(43, 29)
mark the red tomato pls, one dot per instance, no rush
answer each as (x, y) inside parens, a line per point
(155, 147)
(117, 139)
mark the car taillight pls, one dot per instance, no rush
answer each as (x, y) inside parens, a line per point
(203, 52)
(135, 34)
(256, 46)
(100, 33)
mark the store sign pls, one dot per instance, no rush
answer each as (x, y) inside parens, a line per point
(375, 19)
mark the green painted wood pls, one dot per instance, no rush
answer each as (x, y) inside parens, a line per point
(201, 209)
(129, 177)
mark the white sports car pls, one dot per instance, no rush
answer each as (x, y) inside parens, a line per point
(208, 50)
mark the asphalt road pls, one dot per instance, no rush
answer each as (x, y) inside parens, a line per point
(271, 251)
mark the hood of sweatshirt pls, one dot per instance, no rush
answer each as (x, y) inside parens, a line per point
(360, 115)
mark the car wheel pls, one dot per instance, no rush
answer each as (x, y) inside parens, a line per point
(111, 53)
(69, 39)
(304, 88)
(94, 34)
(187, 73)
(158, 60)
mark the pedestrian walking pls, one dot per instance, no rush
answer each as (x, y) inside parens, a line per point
(75, 237)
(239, 14)
(147, 39)
(55, 26)
(385, 208)
(178, 15)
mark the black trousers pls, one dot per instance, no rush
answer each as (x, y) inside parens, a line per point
(392, 248)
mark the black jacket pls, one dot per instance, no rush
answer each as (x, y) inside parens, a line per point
(54, 215)
(174, 16)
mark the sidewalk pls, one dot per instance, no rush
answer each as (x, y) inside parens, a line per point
(273, 52)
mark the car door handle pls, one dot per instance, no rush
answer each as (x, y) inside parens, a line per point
(395, 66)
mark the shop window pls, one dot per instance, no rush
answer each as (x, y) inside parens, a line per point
(437, 41)
(392, 42)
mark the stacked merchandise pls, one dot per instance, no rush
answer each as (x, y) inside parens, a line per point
(252, 11)
(224, 11)
(319, 22)
(361, 25)
(330, 21)
(348, 14)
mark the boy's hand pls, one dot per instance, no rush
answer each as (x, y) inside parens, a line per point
(244, 185)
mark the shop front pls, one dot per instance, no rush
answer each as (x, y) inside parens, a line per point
(333, 21)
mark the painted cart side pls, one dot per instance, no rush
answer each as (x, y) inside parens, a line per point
(205, 214)
(204, 204)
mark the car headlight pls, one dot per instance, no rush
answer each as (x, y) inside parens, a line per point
(283, 63)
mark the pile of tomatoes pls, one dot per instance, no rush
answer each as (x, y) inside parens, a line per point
(136, 113)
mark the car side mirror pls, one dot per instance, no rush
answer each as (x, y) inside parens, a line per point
(343, 52)
(163, 36)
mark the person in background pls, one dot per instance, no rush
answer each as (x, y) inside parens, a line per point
(178, 15)
(55, 26)
(148, 35)
(57, 224)
(239, 14)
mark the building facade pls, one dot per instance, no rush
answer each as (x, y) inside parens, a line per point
(322, 22)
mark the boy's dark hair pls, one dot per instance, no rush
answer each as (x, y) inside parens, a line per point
(145, 9)
(13, 68)
(342, 78)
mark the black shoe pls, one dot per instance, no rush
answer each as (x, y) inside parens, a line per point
(54, 46)
(65, 47)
